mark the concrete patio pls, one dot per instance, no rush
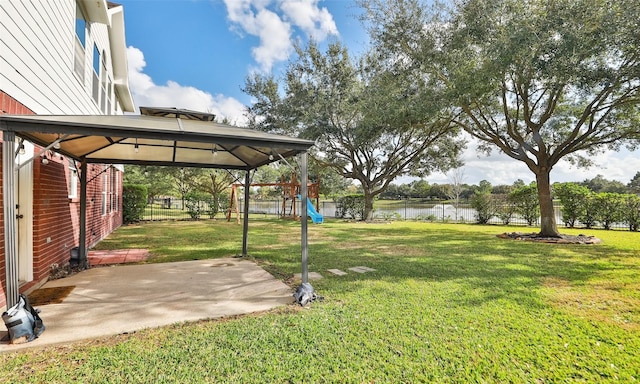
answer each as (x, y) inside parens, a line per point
(111, 300)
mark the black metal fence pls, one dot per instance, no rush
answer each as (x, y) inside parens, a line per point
(388, 210)
(177, 209)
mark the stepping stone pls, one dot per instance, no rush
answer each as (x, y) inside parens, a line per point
(361, 269)
(311, 275)
(337, 272)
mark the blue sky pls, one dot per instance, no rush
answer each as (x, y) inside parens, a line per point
(212, 45)
(196, 54)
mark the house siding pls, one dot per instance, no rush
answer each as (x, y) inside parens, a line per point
(37, 41)
(36, 66)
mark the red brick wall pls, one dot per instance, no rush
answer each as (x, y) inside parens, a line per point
(56, 224)
(99, 225)
(56, 217)
(52, 224)
(3, 271)
(11, 106)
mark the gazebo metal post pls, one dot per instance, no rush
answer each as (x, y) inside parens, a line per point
(303, 217)
(82, 242)
(10, 240)
(245, 223)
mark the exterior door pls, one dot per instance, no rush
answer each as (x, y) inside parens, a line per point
(24, 213)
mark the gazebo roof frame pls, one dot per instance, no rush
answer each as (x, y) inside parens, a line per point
(165, 136)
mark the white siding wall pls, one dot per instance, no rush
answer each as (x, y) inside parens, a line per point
(37, 40)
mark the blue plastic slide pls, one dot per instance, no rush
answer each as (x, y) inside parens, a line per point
(316, 217)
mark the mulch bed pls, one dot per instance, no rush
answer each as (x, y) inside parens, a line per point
(563, 239)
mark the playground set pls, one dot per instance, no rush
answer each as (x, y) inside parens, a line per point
(290, 194)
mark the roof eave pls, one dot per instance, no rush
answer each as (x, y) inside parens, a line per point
(96, 11)
(119, 58)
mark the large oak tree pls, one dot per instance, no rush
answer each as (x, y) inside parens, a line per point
(368, 122)
(539, 80)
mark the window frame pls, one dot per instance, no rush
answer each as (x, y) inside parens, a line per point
(95, 86)
(80, 43)
(105, 188)
(73, 182)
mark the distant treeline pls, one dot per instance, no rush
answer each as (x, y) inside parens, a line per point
(421, 189)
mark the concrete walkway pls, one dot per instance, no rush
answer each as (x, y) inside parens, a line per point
(124, 298)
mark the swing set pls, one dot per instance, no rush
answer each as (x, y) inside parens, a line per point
(290, 193)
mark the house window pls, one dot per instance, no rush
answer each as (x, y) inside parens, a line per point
(80, 41)
(105, 86)
(114, 190)
(105, 188)
(109, 95)
(96, 72)
(73, 183)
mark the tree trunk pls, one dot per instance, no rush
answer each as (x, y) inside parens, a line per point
(368, 207)
(548, 225)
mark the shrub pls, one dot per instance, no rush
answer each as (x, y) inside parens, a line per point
(572, 197)
(217, 202)
(588, 216)
(504, 208)
(632, 211)
(526, 203)
(609, 208)
(481, 202)
(388, 216)
(134, 201)
(196, 203)
(426, 217)
(350, 206)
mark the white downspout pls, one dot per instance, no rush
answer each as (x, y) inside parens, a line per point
(10, 240)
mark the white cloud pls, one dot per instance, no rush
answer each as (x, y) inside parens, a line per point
(316, 22)
(620, 166)
(148, 94)
(137, 78)
(275, 31)
(275, 44)
(500, 169)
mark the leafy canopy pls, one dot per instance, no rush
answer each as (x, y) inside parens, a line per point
(367, 117)
(539, 80)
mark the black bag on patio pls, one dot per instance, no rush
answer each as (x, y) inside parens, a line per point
(22, 320)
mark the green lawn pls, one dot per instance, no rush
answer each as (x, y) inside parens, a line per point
(447, 303)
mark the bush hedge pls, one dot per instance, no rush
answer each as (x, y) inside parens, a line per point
(134, 201)
(580, 205)
(350, 206)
